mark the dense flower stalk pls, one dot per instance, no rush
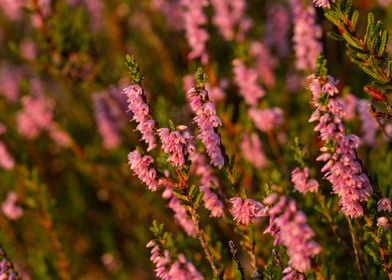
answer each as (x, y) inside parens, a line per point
(6, 160)
(10, 78)
(180, 213)
(140, 165)
(301, 181)
(197, 36)
(246, 80)
(369, 125)
(342, 167)
(10, 207)
(165, 269)
(246, 211)
(266, 119)
(141, 114)
(207, 121)
(211, 201)
(265, 63)
(277, 29)
(252, 150)
(384, 204)
(323, 3)
(289, 228)
(306, 35)
(177, 144)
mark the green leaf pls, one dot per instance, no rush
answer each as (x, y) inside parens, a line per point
(354, 18)
(372, 253)
(335, 36)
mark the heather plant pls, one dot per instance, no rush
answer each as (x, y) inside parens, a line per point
(179, 139)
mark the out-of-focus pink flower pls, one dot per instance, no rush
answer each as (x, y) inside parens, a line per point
(172, 11)
(246, 211)
(289, 228)
(197, 36)
(383, 222)
(141, 114)
(6, 160)
(265, 63)
(291, 274)
(95, 10)
(323, 3)
(266, 119)
(277, 29)
(342, 167)
(28, 49)
(252, 150)
(369, 125)
(12, 9)
(10, 207)
(212, 202)
(306, 35)
(246, 80)
(10, 78)
(140, 165)
(215, 93)
(384, 204)
(384, 3)
(59, 136)
(301, 181)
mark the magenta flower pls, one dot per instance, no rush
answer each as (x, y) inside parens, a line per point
(141, 114)
(140, 166)
(342, 167)
(369, 125)
(301, 181)
(277, 29)
(207, 121)
(6, 160)
(266, 119)
(265, 63)
(246, 211)
(289, 228)
(252, 150)
(10, 207)
(384, 204)
(10, 78)
(323, 3)
(246, 80)
(383, 222)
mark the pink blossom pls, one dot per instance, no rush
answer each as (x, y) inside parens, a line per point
(141, 114)
(266, 119)
(95, 10)
(306, 35)
(60, 137)
(197, 36)
(323, 3)
(6, 160)
(180, 212)
(369, 125)
(172, 12)
(384, 204)
(252, 150)
(10, 207)
(291, 274)
(215, 93)
(277, 29)
(12, 9)
(342, 167)
(265, 63)
(246, 80)
(246, 211)
(301, 181)
(383, 222)
(212, 202)
(10, 78)
(140, 166)
(177, 144)
(289, 228)
(28, 49)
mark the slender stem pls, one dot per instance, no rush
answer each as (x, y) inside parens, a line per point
(234, 251)
(356, 252)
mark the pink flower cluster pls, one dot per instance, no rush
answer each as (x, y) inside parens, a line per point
(246, 80)
(252, 150)
(106, 121)
(12, 9)
(197, 36)
(246, 211)
(342, 167)
(277, 29)
(10, 78)
(369, 125)
(141, 114)
(180, 213)
(177, 144)
(181, 269)
(211, 201)
(306, 35)
(215, 93)
(265, 63)
(323, 3)
(6, 273)
(6, 160)
(207, 121)
(384, 204)
(10, 207)
(289, 228)
(266, 119)
(140, 165)
(301, 181)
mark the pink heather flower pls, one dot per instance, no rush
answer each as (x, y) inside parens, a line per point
(60, 137)
(28, 49)
(10, 207)
(6, 160)
(350, 102)
(369, 124)
(140, 166)
(10, 78)
(384, 204)
(267, 119)
(246, 80)
(323, 3)
(197, 36)
(34, 117)
(12, 9)
(205, 171)
(246, 212)
(252, 150)
(107, 124)
(291, 274)
(301, 181)
(180, 212)
(207, 121)
(277, 29)
(342, 167)
(289, 228)
(177, 144)
(265, 63)
(384, 3)
(141, 114)
(172, 12)
(306, 35)
(95, 10)
(383, 222)
(215, 93)
(181, 269)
